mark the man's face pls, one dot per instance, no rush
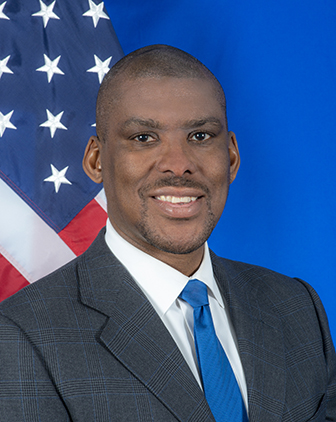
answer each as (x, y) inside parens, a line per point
(167, 161)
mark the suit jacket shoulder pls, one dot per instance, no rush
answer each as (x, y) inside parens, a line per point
(280, 321)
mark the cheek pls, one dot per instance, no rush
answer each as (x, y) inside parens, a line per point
(114, 173)
(122, 179)
(218, 166)
(220, 182)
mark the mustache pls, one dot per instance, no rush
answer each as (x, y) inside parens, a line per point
(174, 181)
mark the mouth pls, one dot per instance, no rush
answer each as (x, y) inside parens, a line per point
(182, 206)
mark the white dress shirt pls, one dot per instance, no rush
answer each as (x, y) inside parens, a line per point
(162, 285)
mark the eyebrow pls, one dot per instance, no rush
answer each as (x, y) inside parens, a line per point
(195, 123)
(143, 122)
(189, 124)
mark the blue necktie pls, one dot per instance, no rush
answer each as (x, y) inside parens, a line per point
(219, 383)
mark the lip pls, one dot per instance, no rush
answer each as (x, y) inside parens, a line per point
(179, 192)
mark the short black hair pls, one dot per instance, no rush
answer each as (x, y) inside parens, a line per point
(153, 61)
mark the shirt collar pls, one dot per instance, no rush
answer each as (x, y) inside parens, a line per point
(161, 283)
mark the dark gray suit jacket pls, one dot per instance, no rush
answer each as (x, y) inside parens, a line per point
(84, 344)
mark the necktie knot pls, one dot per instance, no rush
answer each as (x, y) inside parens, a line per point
(195, 293)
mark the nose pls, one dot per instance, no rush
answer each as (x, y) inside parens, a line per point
(176, 157)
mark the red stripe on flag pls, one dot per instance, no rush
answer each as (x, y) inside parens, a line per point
(82, 230)
(11, 279)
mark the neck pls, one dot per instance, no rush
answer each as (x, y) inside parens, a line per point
(187, 264)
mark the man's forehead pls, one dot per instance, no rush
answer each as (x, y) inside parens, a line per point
(150, 102)
(125, 87)
(125, 81)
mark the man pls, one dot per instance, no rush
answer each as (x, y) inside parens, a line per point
(112, 336)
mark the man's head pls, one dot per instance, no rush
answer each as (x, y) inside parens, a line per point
(163, 152)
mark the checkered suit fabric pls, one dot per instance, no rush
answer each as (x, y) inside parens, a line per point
(84, 344)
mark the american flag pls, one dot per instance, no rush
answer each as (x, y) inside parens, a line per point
(53, 56)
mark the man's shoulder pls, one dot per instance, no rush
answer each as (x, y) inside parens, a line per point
(56, 285)
(260, 282)
(235, 269)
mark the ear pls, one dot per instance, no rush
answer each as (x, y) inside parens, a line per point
(234, 156)
(92, 160)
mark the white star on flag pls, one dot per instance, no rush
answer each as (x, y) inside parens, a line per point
(2, 15)
(101, 67)
(96, 12)
(5, 122)
(3, 66)
(53, 122)
(50, 67)
(58, 177)
(46, 12)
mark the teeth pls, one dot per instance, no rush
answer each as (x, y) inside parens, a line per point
(177, 199)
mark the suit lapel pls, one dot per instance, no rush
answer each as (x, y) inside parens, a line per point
(260, 340)
(136, 336)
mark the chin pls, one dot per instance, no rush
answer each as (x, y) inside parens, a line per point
(177, 245)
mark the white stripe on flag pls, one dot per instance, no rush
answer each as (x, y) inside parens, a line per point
(101, 199)
(26, 241)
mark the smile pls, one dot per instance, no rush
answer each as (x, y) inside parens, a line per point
(176, 199)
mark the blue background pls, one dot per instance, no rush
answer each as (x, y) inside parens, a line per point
(277, 64)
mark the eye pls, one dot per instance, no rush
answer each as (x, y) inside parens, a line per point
(144, 137)
(200, 136)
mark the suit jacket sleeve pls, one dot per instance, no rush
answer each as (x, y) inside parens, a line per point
(27, 393)
(330, 356)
